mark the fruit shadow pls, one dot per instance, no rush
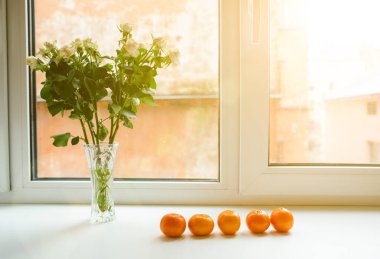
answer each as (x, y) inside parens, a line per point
(166, 239)
(271, 233)
(245, 234)
(211, 236)
(221, 235)
(276, 233)
(171, 239)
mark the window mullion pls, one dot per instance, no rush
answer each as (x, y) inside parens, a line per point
(4, 147)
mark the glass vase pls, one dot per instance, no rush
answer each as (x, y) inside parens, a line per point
(101, 160)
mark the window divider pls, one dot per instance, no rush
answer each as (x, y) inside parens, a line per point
(4, 136)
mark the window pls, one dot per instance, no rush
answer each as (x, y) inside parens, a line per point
(178, 139)
(4, 158)
(371, 108)
(277, 126)
(210, 110)
(305, 82)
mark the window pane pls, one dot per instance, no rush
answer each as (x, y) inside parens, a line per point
(177, 139)
(324, 81)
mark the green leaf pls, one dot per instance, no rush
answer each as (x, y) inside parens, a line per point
(75, 141)
(108, 67)
(129, 114)
(73, 115)
(91, 87)
(45, 93)
(145, 68)
(96, 89)
(100, 73)
(61, 139)
(101, 93)
(60, 67)
(148, 100)
(127, 123)
(103, 132)
(58, 78)
(55, 107)
(128, 70)
(115, 108)
(152, 83)
(102, 200)
(63, 90)
(127, 103)
(71, 75)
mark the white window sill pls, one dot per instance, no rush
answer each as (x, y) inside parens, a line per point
(63, 231)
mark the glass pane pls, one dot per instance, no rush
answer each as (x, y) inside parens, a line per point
(179, 139)
(324, 82)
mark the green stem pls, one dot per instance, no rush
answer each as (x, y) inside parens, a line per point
(84, 131)
(102, 189)
(142, 60)
(111, 131)
(97, 123)
(116, 128)
(91, 131)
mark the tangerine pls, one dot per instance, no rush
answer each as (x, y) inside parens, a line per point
(257, 221)
(173, 225)
(201, 225)
(229, 222)
(282, 219)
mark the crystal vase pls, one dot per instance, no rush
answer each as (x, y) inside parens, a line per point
(101, 160)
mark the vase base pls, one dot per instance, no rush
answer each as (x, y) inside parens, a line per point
(102, 217)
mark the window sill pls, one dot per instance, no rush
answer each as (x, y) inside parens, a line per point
(63, 231)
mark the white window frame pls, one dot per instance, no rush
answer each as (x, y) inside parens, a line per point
(26, 190)
(4, 147)
(354, 185)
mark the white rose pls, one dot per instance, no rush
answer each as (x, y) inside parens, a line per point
(32, 62)
(76, 44)
(159, 42)
(66, 52)
(43, 51)
(136, 101)
(50, 46)
(126, 27)
(174, 57)
(88, 43)
(132, 48)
